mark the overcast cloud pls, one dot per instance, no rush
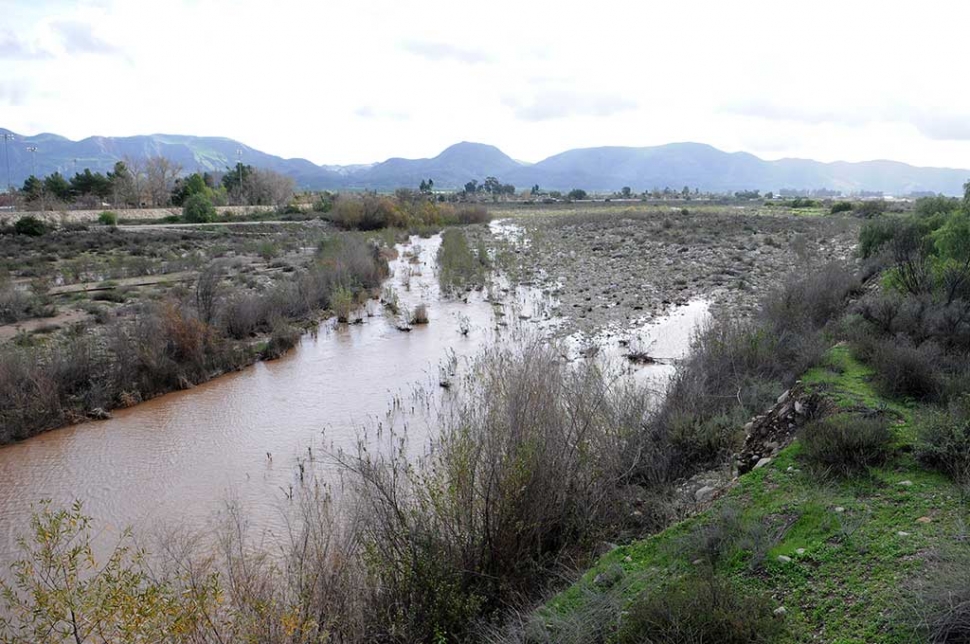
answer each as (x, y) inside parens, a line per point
(356, 81)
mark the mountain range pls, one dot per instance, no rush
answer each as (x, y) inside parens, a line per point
(602, 169)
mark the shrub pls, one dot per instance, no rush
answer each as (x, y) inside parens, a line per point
(472, 214)
(691, 610)
(932, 206)
(343, 304)
(458, 268)
(847, 444)
(284, 338)
(840, 206)
(870, 209)
(108, 218)
(904, 370)
(198, 210)
(504, 495)
(943, 439)
(878, 232)
(420, 314)
(30, 226)
(940, 610)
(577, 194)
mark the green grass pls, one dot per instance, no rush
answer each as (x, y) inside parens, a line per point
(850, 582)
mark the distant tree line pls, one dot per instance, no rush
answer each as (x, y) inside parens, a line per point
(156, 182)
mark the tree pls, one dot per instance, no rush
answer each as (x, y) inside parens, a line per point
(492, 185)
(427, 186)
(90, 183)
(234, 181)
(128, 181)
(267, 188)
(198, 210)
(685, 193)
(577, 194)
(33, 189)
(160, 175)
(194, 184)
(471, 187)
(626, 192)
(966, 196)
(57, 186)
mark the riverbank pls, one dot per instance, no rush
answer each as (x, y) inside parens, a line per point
(839, 560)
(144, 337)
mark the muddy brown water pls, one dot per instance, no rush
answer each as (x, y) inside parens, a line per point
(177, 459)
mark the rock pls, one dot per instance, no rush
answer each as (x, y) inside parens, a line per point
(902, 534)
(906, 483)
(924, 520)
(799, 408)
(628, 559)
(840, 509)
(783, 398)
(781, 610)
(761, 463)
(784, 558)
(705, 493)
(800, 551)
(608, 577)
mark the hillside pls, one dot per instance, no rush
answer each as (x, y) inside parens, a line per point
(602, 169)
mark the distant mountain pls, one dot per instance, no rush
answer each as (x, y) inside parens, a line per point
(100, 153)
(604, 169)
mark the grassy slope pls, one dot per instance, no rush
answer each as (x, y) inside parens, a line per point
(849, 584)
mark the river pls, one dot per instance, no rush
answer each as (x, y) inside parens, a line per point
(175, 460)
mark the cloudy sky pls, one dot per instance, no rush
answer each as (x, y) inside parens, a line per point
(352, 81)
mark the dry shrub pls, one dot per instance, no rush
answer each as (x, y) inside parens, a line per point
(940, 606)
(847, 444)
(691, 610)
(943, 439)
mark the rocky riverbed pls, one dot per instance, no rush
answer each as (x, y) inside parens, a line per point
(621, 268)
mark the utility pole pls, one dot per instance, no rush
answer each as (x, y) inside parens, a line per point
(33, 159)
(6, 155)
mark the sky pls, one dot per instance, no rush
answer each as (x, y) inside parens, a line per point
(358, 81)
